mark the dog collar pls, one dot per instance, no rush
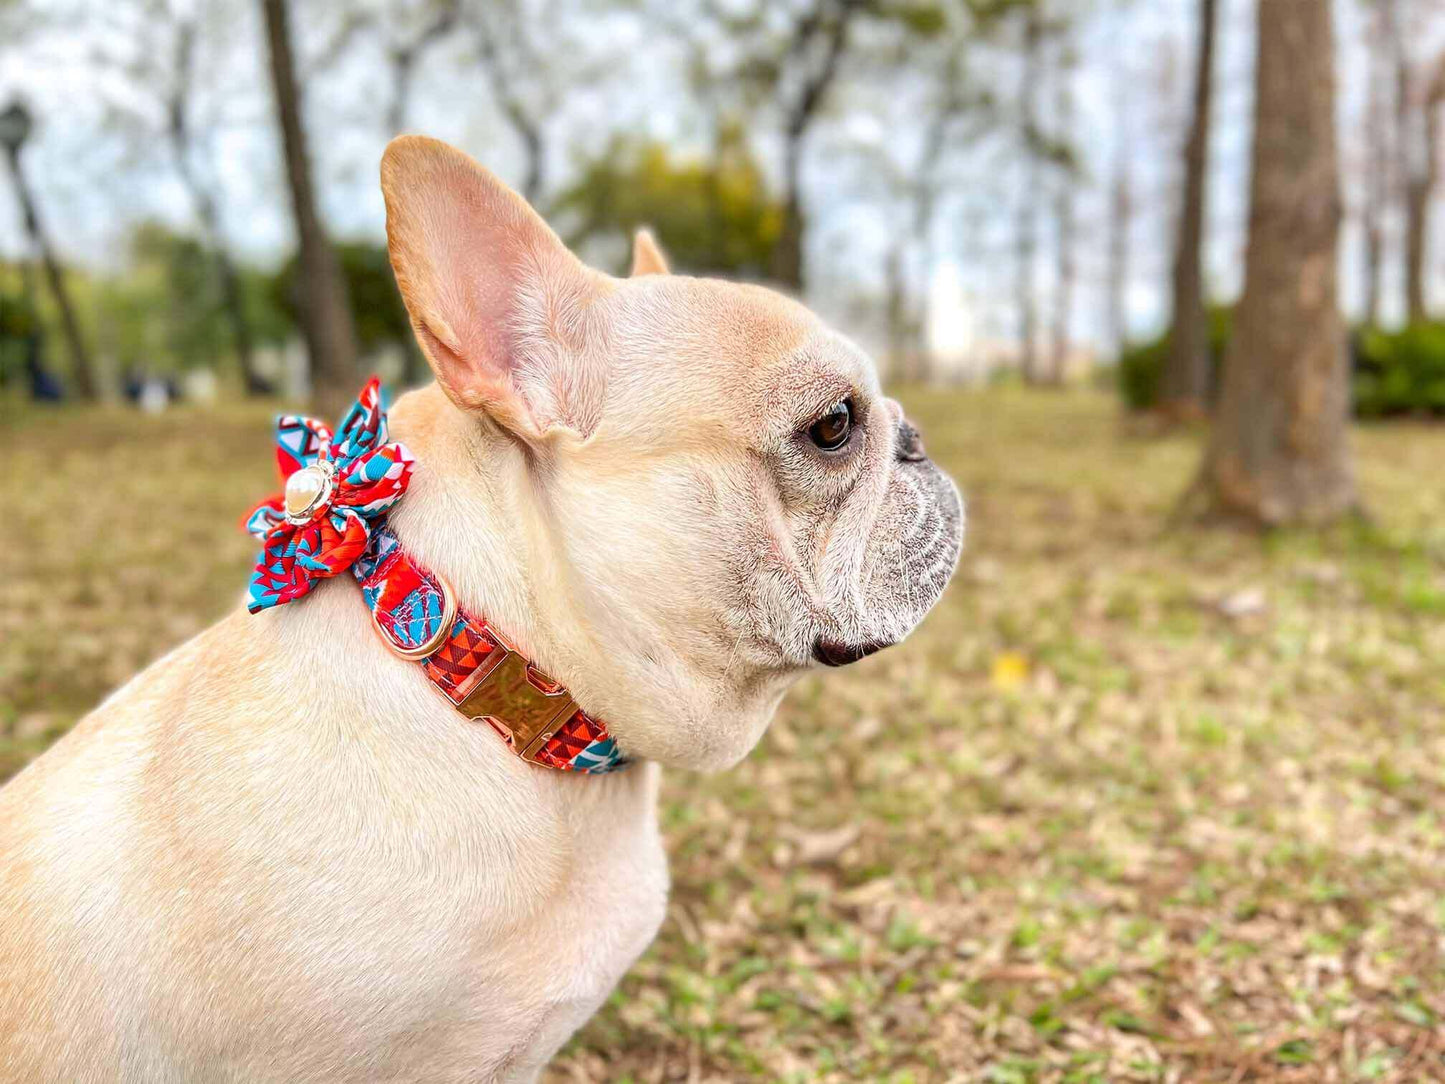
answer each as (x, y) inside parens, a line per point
(475, 667)
(330, 517)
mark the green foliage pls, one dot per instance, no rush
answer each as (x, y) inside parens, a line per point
(1395, 372)
(923, 19)
(166, 312)
(1141, 365)
(710, 216)
(376, 306)
(270, 323)
(1400, 372)
(18, 317)
(193, 330)
(19, 323)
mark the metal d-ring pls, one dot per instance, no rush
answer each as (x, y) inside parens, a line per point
(449, 618)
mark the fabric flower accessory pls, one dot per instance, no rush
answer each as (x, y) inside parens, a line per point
(337, 489)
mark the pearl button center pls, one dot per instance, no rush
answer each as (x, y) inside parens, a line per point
(306, 489)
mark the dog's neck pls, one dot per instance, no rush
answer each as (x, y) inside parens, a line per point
(471, 516)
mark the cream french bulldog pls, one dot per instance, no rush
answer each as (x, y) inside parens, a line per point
(278, 854)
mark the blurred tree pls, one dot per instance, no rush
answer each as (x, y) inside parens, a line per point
(786, 58)
(1419, 94)
(953, 114)
(16, 126)
(408, 28)
(181, 134)
(376, 307)
(1186, 374)
(1278, 451)
(332, 30)
(1377, 158)
(1031, 40)
(1064, 185)
(955, 100)
(325, 314)
(711, 217)
(1121, 214)
(1037, 26)
(521, 77)
(822, 31)
(1423, 174)
(169, 100)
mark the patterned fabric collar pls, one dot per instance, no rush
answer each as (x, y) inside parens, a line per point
(483, 675)
(331, 518)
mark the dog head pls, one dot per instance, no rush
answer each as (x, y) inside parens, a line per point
(729, 498)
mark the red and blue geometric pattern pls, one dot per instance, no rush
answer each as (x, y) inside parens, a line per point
(457, 667)
(299, 441)
(409, 605)
(370, 476)
(582, 745)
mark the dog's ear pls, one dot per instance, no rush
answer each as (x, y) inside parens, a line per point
(500, 306)
(647, 257)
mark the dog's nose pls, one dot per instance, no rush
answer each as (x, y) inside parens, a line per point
(909, 444)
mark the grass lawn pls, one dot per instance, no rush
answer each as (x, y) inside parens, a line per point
(1133, 805)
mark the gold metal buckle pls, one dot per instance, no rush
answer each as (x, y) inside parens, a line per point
(449, 618)
(521, 702)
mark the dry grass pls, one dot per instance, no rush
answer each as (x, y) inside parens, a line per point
(1133, 805)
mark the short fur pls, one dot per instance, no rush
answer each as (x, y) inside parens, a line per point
(278, 855)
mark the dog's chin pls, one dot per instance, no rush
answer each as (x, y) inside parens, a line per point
(833, 653)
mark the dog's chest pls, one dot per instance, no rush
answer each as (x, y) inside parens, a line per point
(522, 990)
(577, 952)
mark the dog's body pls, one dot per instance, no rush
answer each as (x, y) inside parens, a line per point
(279, 855)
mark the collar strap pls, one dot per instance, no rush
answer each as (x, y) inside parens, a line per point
(474, 666)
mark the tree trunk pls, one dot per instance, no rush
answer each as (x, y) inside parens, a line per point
(1423, 167)
(1278, 453)
(1184, 384)
(787, 269)
(1417, 215)
(80, 363)
(1026, 242)
(900, 364)
(1120, 216)
(403, 67)
(232, 298)
(178, 129)
(925, 206)
(403, 59)
(325, 312)
(1064, 253)
(1376, 195)
(828, 23)
(1407, 147)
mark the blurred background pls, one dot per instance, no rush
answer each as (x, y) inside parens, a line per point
(1156, 793)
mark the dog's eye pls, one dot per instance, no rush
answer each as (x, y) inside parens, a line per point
(832, 430)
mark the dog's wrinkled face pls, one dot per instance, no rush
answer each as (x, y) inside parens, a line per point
(731, 497)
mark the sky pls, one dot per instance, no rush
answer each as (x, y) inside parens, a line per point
(94, 73)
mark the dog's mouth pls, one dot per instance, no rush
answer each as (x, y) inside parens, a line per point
(832, 653)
